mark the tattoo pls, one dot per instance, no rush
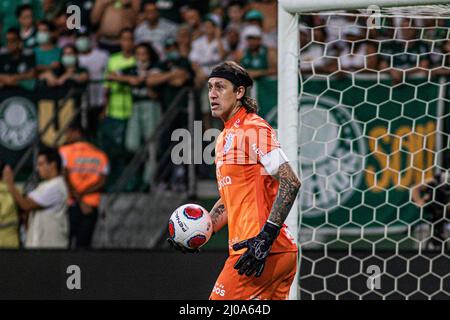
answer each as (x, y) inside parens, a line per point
(287, 192)
(218, 215)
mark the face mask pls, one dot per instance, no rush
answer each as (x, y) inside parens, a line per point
(42, 37)
(173, 55)
(69, 60)
(83, 44)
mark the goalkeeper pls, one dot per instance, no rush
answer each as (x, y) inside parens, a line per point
(257, 189)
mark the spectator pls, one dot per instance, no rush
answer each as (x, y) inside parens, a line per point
(154, 29)
(17, 65)
(256, 18)
(235, 14)
(69, 74)
(85, 169)
(184, 41)
(313, 51)
(28, 30)
(259, 60)
(63, 34)
(95, 61)
(146, 106)
(9, 219)
(118, 106)
(191, 17)
(231, 44)
(47, 223)
(47, 53)
(268, 9)
(354, 53)
(110, 17)
(174, 73)
(207, 51)
(8, 17)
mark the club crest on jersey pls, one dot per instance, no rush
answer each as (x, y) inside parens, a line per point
(228, 142)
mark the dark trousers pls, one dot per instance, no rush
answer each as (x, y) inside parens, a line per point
(81, 226)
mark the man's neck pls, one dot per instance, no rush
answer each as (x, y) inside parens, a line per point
(235, 110)
(53, 175)
(153, 24)
(127, 54)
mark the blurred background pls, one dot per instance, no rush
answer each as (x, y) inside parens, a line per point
(122, 75)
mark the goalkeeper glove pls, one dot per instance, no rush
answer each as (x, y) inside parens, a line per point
(258, 248)
(181, 248)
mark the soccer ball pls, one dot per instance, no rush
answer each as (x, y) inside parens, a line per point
(190, 226)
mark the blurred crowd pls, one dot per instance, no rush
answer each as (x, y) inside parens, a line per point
(130, 59)
(397, 46)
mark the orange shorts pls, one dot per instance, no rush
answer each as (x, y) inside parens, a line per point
(274, 283)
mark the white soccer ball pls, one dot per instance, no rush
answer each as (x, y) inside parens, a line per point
(190, 225)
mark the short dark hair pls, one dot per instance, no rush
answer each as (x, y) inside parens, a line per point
(235, 3)
(22, 8)
(124, 30)
(50, 25)
(146, 3)
(51, 155)
(154, 57)
(15, 31)
(75, 125)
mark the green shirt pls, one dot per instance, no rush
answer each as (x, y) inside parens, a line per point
(120, 102)
(46, 58)
(17, 65)
(256, 61)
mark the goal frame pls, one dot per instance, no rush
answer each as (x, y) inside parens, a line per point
(288, 79)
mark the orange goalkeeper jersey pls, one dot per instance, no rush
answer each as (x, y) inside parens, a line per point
(245, 186)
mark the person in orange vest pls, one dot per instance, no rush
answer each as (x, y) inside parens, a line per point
(86, 169)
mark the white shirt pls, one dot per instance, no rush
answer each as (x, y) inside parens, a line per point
(49, 226)
(157, 35)
(205, 53)
(95, 62)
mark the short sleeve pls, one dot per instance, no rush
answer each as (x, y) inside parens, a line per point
(47, 195)
(266, 149)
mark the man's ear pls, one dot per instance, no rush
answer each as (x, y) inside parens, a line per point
(240, 92)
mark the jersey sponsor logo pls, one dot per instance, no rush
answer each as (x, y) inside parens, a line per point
(219, 289)
(18, 123)
(331, 155)
(224, 181)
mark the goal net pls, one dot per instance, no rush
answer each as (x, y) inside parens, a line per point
(372, 142)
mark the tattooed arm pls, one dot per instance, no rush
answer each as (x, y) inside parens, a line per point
(218, 215)
(287, 192)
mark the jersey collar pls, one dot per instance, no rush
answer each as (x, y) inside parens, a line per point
(236, 119)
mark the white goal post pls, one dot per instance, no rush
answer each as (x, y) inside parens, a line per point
(289, 80)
